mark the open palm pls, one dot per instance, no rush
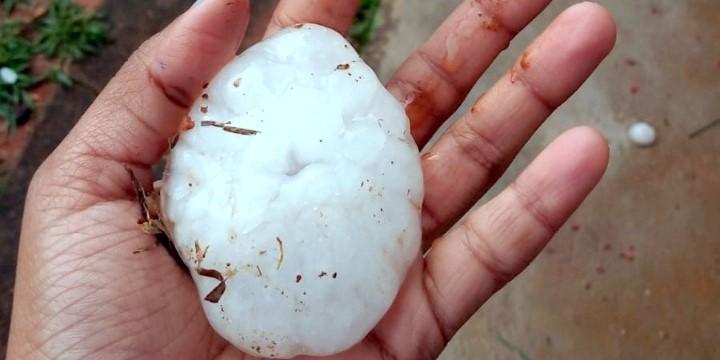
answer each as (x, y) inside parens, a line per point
(83, 292)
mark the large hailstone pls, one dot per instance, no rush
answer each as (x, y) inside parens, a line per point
(294, 199)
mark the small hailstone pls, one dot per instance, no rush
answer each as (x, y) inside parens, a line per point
(642, 134)
(8, 75)
(295, 198)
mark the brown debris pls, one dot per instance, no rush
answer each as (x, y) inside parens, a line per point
(524, 61)
(704, 128)
(492, 24)
(228, 128)
(187, 124)
(334, 275)
(173, 141)
(342, 67)
(298, 278)
(216, 293)
(151, 224)
(212, 123)
(282, 252)
(236, 83)
(241, 131)
(211, 273)
(200, 253)
(322, 273)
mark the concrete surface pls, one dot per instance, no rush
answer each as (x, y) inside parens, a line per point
(636, 273)
(660, 206)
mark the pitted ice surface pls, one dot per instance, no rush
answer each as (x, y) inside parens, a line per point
(295, 198)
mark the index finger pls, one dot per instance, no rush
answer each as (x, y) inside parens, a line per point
(335, 14)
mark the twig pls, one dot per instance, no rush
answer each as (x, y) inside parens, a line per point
(282, 252)
(150, 223)
(705, 128)
(217, 292)
(228, 128)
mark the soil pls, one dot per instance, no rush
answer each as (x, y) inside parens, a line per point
(22, 151)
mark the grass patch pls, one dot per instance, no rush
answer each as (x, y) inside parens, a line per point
(9, 5)
(63, 33)
(69, 32)
(364, 24)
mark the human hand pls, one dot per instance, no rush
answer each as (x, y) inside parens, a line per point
(82, 293)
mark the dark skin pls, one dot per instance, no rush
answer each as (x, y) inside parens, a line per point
(82, 293)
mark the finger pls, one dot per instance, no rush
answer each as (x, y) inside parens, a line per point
(476, 150)
(497, 241)
(436, 78)
(141, 108)
(337, 15)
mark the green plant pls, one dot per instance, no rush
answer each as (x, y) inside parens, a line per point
(16, 53)
(9, 5)
(66, 32)
(70, 32)
(364, 25)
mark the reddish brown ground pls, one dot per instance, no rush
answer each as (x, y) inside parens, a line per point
(13, 143)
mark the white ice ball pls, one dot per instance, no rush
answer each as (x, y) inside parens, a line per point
(295, 199)
(642, 134)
